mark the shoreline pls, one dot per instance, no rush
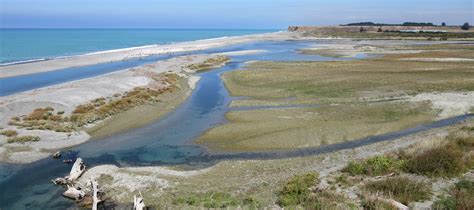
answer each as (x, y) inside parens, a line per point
(134, 53)
(66, 97)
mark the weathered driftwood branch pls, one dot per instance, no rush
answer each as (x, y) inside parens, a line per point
(390, 202)
(74, 193)
(95, 199)
(60, 181)
(393, 203)
(77, 170)
(138, 203)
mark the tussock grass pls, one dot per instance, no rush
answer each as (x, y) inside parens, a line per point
(402, 189)
(23, 139)
(297, 190)
(449, 160)
(44, 119)
(437, 162)
(8, 133)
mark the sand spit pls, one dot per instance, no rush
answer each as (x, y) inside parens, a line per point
(351, 48)
(439, 59)
(67, 96)
(118, 55)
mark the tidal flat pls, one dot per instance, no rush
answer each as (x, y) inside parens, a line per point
(352, 99)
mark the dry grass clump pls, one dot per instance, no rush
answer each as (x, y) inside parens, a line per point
(8, 133)
(23, 139)
(402, 189)
(44, 119)
(93, 112)
(448, 160)
(437, 162)
(209, 63)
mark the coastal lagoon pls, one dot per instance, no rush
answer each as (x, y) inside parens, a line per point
(168, 141)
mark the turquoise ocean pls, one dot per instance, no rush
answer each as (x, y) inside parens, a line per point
(22, 45)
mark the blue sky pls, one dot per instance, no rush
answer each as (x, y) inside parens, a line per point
(272, 14)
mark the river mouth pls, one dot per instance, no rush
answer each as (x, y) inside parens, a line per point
(169, 140)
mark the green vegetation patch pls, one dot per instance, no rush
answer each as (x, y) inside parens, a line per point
(349, 81)
(23, 139)
(297, 190)
(402, 189)
(375, 166)
(461, 196)
(297, 193)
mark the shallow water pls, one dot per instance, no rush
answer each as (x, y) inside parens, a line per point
(167, 141)
(276, 51)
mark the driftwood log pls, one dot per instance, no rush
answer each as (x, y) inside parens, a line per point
(77, 170)
(74, 193)
(390, 202)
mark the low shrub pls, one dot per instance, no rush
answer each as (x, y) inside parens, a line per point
(401, 189)
(444, 161)
(375, 166)
(23, 139)
(8, 133)
(297, 190)
(461, 196)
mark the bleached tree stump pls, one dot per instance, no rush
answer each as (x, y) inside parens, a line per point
(138, 203)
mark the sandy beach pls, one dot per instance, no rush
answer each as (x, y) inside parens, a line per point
(119, 55)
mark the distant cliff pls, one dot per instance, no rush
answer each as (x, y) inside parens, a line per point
(355, 29)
